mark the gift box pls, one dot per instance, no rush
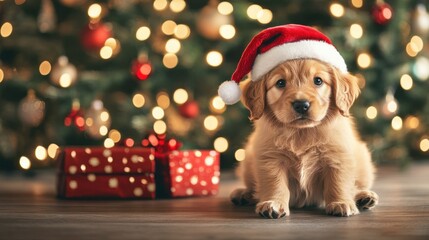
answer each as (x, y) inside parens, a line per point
(187, 173)
(147, 172)
(117, 172)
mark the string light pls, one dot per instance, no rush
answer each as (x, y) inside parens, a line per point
(412, 122)
(240, 154)
(138, 100)
(180, 96)
(356, 31)
(264, 16)
(227, 31)
(94, 10)
(220, 144)
(52, 150)
(371, 112)
(416, 43)
(159, 127)
(211, 123)
(397, 123)
(406, 82)
(65, 80)
(214, 58)
(424, 145)
(104, 116)
(172, 46)
(177, 5)
(24, 163)
(115, 135)
(170, 60)
(103, 130)
(157, 112)
(168, 27)
(364, 60)
(106, 52)
(182, 31)
(217, 105)
(40, 153)
(337, 10)
(45, 68)
(357, 3)
(421, 69)
(143, 33)
(109, 143)
(6, 29)
(160, 5)
(253, 10)
(163, 100)
(225, 8)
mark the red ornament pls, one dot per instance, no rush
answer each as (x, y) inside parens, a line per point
(189, 109)
(382, 13)
(141, 69)
(94, 36)
(75, 117)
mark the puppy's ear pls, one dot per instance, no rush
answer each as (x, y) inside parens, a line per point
(254, 98)
(346, 90)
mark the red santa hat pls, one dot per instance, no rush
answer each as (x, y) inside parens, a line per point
(276, 45)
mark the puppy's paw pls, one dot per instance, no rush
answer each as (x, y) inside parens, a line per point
(342, 209)
(272, 209)
(242, 196)
(366, 199)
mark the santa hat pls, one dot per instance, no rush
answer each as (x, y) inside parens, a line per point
(276, 45)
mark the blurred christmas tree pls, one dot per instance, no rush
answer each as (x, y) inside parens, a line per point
(107, 73)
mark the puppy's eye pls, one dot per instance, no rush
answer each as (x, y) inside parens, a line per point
(281, 83)
(317, 81)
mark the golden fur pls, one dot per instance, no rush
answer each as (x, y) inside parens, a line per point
(311, 159)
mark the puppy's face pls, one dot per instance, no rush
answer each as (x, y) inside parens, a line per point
(301, 93)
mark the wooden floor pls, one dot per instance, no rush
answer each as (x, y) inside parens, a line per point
(29, 210)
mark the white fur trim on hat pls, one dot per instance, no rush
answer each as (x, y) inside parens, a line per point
(305, 49)
(230, 92)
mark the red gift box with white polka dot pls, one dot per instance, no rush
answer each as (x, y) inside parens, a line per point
(117, 172)
(187, 173)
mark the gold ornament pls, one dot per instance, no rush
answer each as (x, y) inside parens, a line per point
(31, 110)
(97, 120)
(209, 21)
(63, 73)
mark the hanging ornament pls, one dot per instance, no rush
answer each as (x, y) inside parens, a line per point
(421, 20)
(31, 110)
(209, 21)
(94, 36)
(189, 109)
(177, 124)
(97, 120)
(75, 117)
(382, 12)
(141, 68)
(47, 20)
(390, 105)
(63, 73)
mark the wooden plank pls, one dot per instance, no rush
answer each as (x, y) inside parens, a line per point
(29, 210)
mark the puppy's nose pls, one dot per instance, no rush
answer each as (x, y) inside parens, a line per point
(301, 106)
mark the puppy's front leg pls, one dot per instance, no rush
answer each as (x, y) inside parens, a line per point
(339, 190)
(272, 189)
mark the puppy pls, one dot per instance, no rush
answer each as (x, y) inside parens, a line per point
(304, 150)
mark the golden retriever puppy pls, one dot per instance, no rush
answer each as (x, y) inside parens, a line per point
(304, 150)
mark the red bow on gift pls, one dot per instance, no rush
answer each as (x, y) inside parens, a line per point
(161, 143)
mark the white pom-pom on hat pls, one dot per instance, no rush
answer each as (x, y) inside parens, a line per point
(274, 46)
(230, 92)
